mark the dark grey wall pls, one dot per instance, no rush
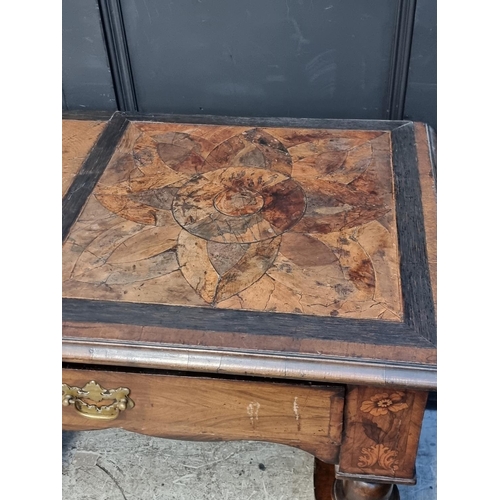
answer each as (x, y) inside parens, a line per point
(421, 101)
(300, 58)
(86, 78)
(261, 58)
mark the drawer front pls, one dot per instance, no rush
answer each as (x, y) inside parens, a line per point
(202, 408)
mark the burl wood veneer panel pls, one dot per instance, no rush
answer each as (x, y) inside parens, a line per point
(307, 417)
(264, 219)
(78, 137)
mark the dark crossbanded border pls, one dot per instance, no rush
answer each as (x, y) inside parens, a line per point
(241, 321)
(94, 165)
(418, 328)
(418, 304)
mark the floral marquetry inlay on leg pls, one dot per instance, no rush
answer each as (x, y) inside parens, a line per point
(381, 432)
(380, 404)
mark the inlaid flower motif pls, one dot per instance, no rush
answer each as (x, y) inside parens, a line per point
(259, 219)
(381, 404)
(378, 454)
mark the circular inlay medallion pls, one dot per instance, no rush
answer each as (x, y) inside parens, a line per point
(239, 205)
(238, 202)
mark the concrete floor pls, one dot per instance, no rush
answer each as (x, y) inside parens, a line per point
(117, 465)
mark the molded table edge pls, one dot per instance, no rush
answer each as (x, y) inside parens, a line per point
(270, 364)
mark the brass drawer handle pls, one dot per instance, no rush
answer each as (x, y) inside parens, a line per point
(95, 393)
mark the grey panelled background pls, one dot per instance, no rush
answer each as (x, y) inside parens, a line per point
(301, 58)
(421, 94)
(87, 82)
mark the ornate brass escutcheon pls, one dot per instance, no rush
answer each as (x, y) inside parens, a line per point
(95, 393)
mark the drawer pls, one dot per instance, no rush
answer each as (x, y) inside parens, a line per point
(306, 416)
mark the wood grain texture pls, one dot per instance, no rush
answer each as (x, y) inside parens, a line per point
(428, 185)
(310, 213)
(78, 137)
(381, 432)
(205, 409)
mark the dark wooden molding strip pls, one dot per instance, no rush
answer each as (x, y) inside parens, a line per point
(87, 115)
(418, 303)
(119, 58)
(383, 125)
(431, 137)
(238, 321)
(401, 58)
(92, 169)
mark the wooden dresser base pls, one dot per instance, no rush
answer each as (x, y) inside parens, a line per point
(319, 419)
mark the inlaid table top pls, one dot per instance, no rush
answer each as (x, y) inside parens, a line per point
(186, 236)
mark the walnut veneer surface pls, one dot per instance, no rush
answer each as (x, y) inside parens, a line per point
(78, 137)
(279, 220)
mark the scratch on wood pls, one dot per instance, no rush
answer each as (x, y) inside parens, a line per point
(253, 412)
(296, 412)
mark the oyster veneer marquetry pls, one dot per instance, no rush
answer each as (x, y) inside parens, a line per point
(261, 219)
(78, 137)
